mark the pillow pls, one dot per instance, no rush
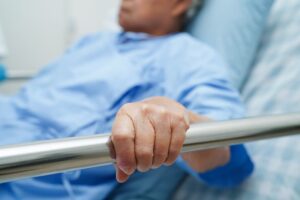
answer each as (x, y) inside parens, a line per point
(233, 28)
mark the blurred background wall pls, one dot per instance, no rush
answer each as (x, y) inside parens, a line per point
(38, 31)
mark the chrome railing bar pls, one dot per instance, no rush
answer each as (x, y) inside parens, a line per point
(60, 155)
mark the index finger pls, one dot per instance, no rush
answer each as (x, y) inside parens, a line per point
(123, 135)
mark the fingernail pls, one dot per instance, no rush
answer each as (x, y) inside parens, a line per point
(140, 169)
(121, 181)
(168, 164)
(127, 170)
(154, 167)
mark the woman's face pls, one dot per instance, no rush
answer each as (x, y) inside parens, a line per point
(146, 15)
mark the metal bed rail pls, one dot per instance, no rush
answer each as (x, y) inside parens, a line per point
(60, 155)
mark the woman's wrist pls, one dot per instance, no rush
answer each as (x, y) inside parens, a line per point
(205, 160)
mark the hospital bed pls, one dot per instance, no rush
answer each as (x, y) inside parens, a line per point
(271, 88)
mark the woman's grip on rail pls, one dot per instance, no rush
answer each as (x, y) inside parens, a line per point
(151, 133)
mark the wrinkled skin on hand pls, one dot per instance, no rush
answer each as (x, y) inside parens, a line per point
(151, 133)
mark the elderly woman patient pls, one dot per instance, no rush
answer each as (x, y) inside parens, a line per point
(146, 85)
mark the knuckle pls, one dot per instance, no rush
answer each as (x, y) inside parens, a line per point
(154, 109)
(180, 119)
(182, 124)
(187, 125)
(144, 153)
(162, 111)
(120, 135)
(177, 118)
(126, 107)
(144, 108)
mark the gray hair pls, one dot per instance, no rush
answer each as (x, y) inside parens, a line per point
(196, 4)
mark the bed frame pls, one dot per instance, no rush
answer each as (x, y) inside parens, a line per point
(54, 156)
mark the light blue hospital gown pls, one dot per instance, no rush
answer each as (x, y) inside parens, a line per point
(80, 93)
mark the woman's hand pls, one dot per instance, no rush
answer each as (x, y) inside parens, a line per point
(148, 134)
(151, 133)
